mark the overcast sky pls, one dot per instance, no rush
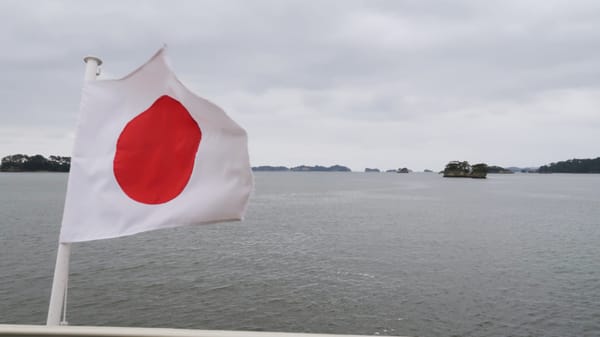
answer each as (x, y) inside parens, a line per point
(382, 84)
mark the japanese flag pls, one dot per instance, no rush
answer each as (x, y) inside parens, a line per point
(150, 154)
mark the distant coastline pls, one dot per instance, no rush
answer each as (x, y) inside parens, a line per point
(54, 163)
(35, 163)
(301, 168)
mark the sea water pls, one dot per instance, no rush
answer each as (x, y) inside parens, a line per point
(350, 253)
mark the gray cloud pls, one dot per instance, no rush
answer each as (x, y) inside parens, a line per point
(361, 83)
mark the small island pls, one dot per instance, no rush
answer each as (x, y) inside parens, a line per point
(399, 170)
(372, 170)
(462, 169)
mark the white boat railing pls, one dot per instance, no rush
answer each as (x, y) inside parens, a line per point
(97, 331)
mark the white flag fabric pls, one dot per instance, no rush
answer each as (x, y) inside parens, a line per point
(150, 154)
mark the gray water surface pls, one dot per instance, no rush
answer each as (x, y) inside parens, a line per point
(388, 254)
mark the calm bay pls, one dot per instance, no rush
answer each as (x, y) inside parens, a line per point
(350, 253)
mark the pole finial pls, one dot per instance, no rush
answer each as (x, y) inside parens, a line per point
(94, 58)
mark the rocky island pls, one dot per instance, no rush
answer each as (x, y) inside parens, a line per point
(462, 169)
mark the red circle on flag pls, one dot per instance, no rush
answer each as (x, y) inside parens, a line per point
(155, 153)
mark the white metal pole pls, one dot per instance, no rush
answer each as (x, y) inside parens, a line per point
(59, 284)
(61, 269)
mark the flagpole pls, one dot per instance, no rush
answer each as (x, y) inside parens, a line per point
(58, 296)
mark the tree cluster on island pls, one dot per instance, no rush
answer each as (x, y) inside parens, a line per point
(25, 163)
(462, 169)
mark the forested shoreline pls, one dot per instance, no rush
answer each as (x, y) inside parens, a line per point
(25, 163)
(573, 166)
